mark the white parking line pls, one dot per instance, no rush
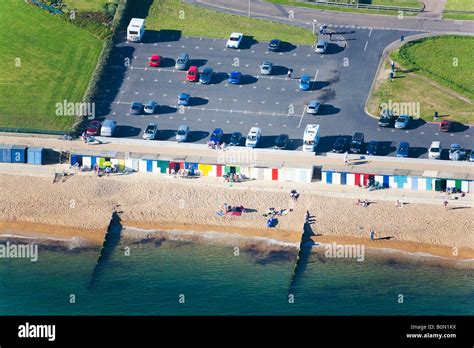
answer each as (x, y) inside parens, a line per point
(302, 115)
(365, 47)
(370, 32)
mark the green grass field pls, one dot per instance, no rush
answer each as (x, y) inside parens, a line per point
(401, 3)
(445, 59)
(44, 61)
(460, 5)
(86, 5)
(197, 21)
(434, 72)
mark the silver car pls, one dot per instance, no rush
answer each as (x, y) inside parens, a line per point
(150, 132)
(321, 46)
(182, 62)
(266, 68)
(182, 133)
(313, 107)
(150, 106)
(402, 121)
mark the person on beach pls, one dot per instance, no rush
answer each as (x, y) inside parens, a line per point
(365, 204)
(372, 235)
(358, 201)
(346, 161)
(445, 203)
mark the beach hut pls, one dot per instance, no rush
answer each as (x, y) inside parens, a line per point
(6, 153)
(35, 156)
(18, 154)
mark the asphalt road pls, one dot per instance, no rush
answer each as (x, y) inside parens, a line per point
(341, 82)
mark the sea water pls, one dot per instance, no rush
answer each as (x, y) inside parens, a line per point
(173, 277)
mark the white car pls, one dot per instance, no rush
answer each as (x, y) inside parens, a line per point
(234, 40)
(253, 137)
(321, 46)
(151, 131)
(435, 150)
(182, 133)
(313, 107)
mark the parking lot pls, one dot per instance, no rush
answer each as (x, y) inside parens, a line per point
(341, 80)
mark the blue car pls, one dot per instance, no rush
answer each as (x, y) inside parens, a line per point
(216, 136)
(305, 83)
(403, 149)
(183, 99)
(235, 77)
(372, 148)
(206, 76)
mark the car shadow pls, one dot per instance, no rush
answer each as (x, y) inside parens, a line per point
(334, 49)
(279, 70)
(219, 77)
(197, 62)
(286, 47)
(197, 135)
(315, 85)
(457, 127)
(415, 123)
(385, 148)
(165, 35)
(416, 151)
(126, 131)
(327, 109)
(166, 134)
(165, 109)
(247, 42)
(294, 144)
(167, 63)
(267, 141)
(248, 79)
(326, 143)
(197, 101)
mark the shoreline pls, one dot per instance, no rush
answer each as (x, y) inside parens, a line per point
(140, 231)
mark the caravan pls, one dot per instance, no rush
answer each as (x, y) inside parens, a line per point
(310, 137)
(136, 29)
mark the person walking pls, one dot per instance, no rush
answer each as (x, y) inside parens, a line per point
(445, 203)
(372, 235)
(288, 74)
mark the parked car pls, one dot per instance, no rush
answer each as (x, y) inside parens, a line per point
(445, 126)
(372, 148)
(235, 139)
(357, 142)
(235, 77)
(313, 107)
(402, 121)
(456, 153)
(340, 146)
(321, 46)
(182, 133)
(108, 128)
(234, 40)
(183, 99)
(253, 138)
(151, 131)
(93, 128)
(136, 108)
(403, 149)
(387, 118)
(305, 83)
(193, 74)
(275, 45)
(182, 62)
(281, 142)
(434, 151)
(155, 60)
(216, 136)
(150, 106)
(266, 68)
(471, 157)
(206, 76)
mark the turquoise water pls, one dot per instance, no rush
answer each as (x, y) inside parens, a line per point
(215, 282)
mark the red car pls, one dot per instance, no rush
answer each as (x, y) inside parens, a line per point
(155, 60)
(193, 74)
(445, 126)
(94, 128)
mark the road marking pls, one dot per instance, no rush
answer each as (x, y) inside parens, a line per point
(365, 47)
(302, 115)
(370, 32)
(316, 75)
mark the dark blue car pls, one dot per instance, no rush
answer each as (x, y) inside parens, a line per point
(216, 136)
(372, 148)
(305, 83)
(206, 76)
(235, 77)
(403, 149)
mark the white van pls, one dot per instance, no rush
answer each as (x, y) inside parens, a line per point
(310, 137)
(136, 29)
(435, 150)
(253, 137)
(108, 128)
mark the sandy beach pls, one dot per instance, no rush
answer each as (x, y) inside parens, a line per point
(82, 207)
